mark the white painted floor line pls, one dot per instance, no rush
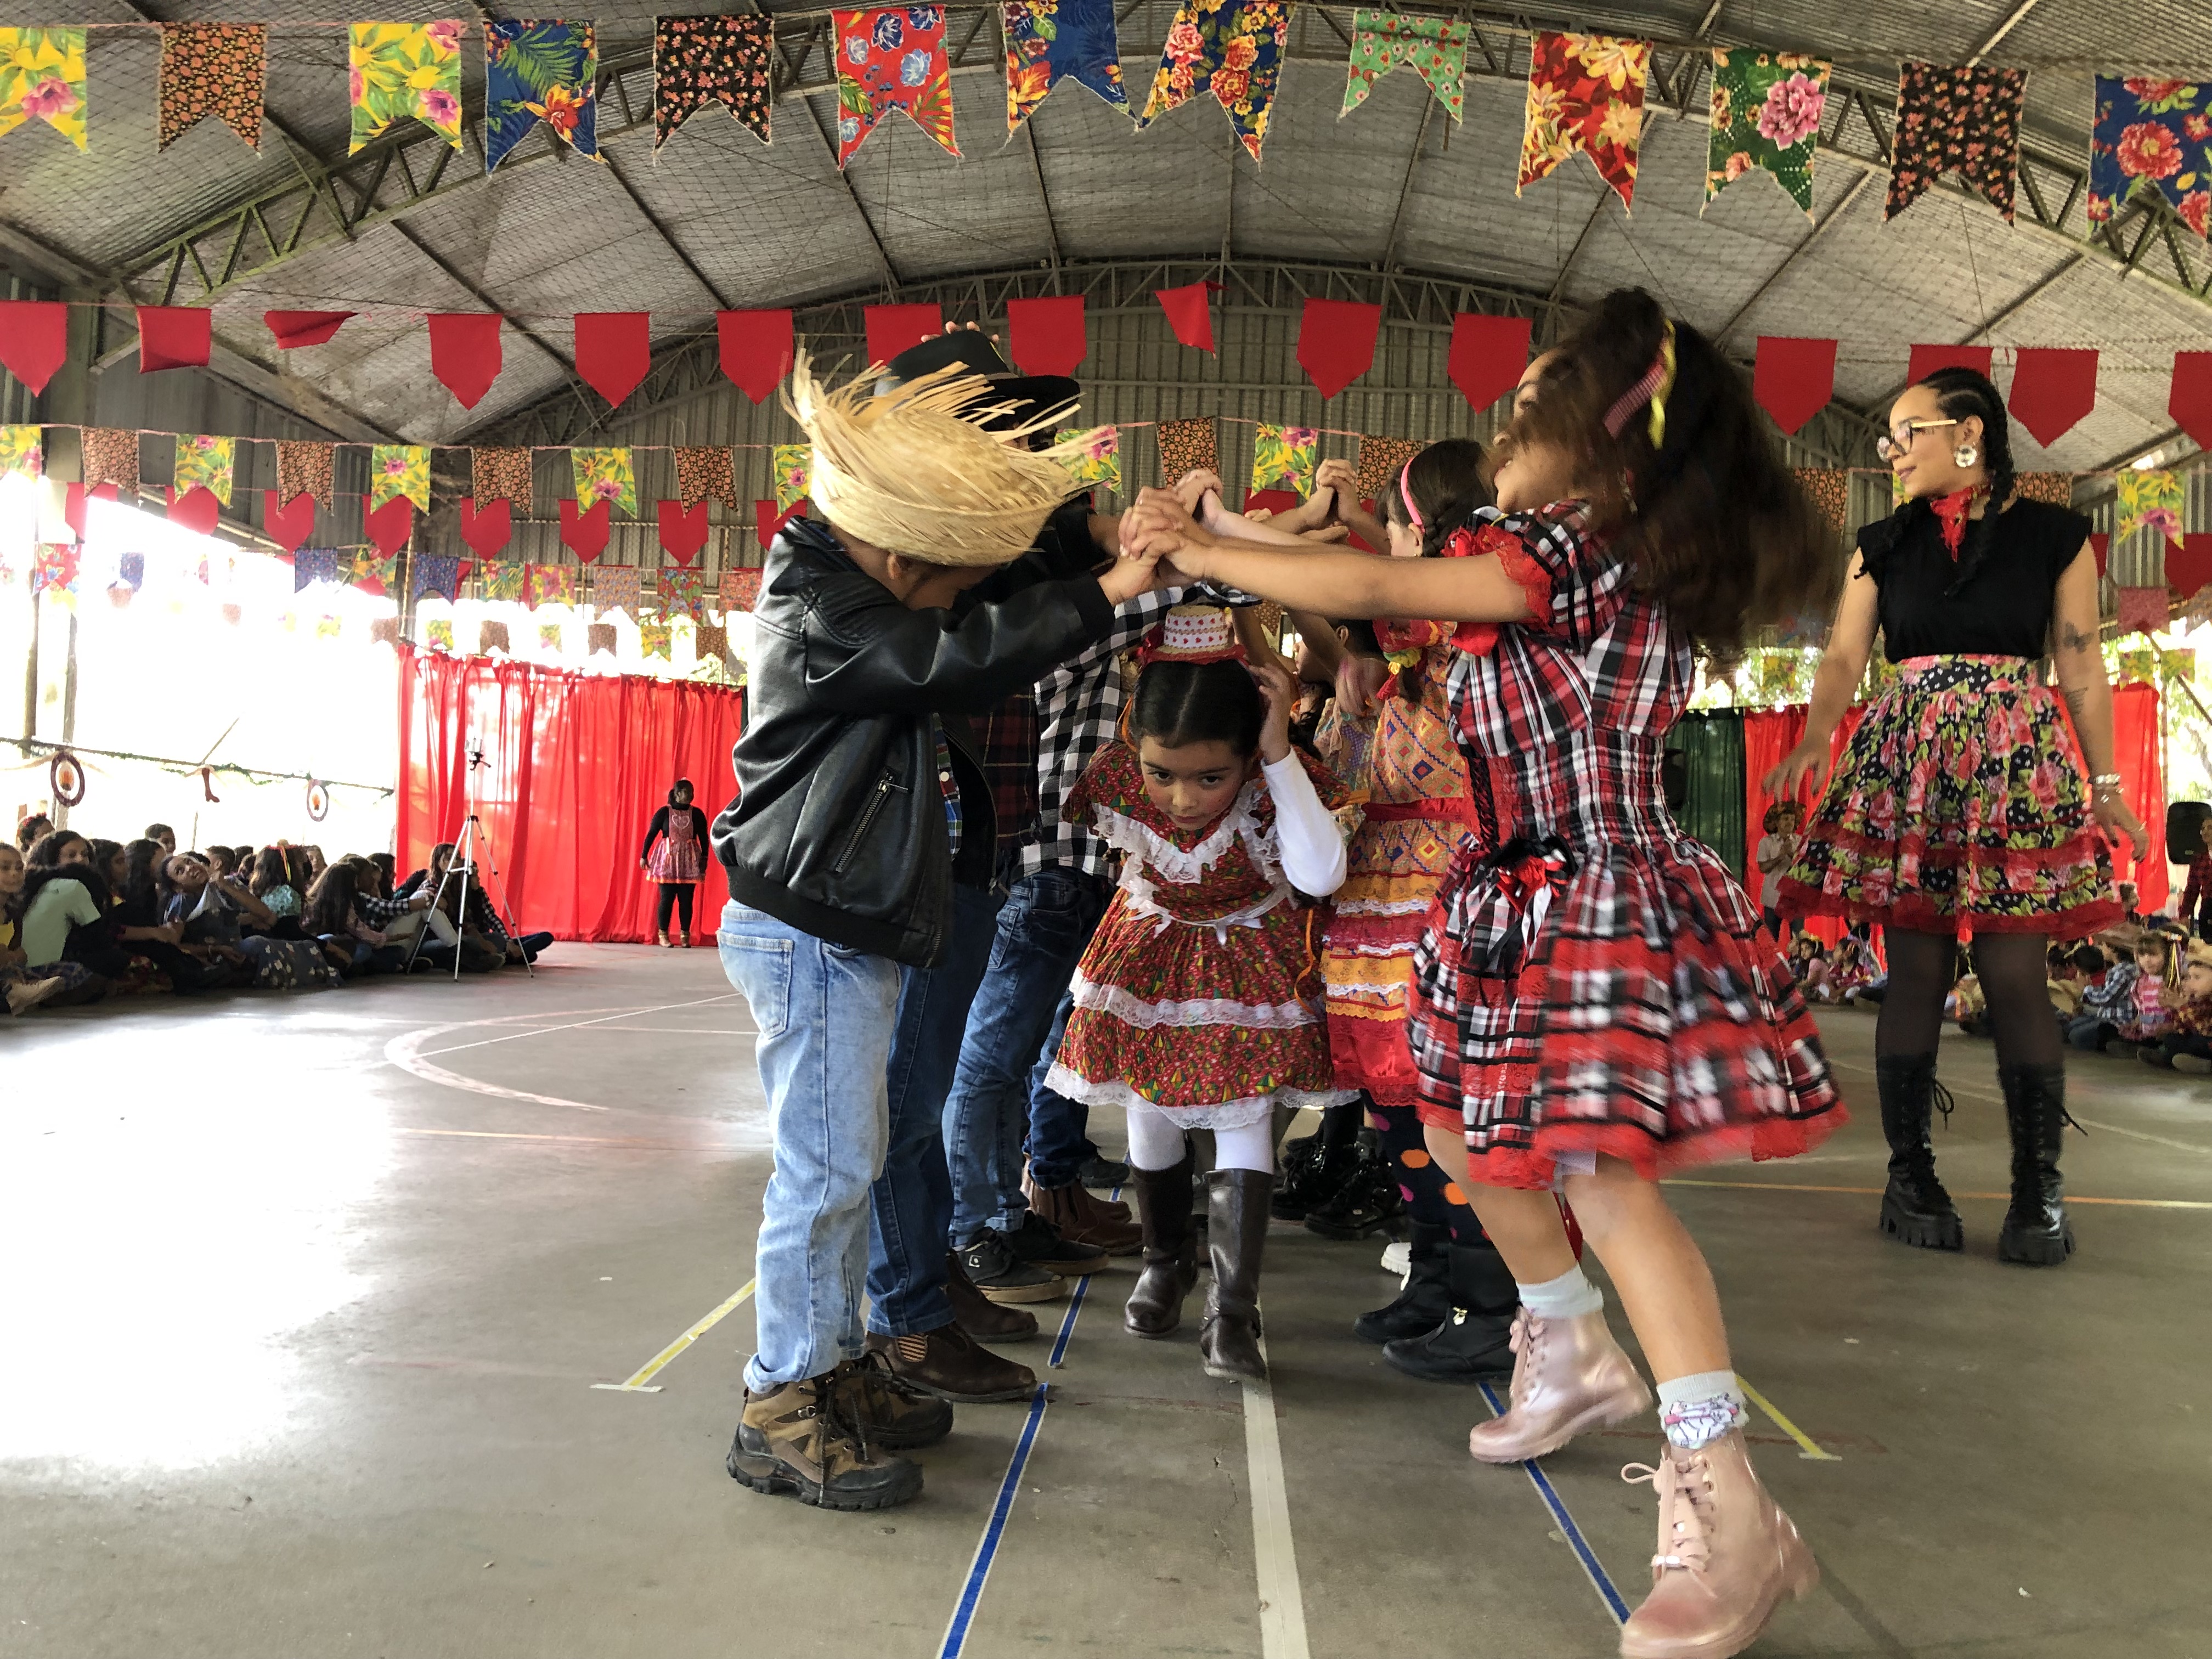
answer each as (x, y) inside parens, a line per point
(1274, 1553)
(1972, 1093)
(603, 1019)
(405, 1051)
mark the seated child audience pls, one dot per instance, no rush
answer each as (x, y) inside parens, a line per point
(2186, 1043)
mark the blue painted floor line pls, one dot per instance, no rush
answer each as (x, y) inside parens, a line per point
(1576, 1541)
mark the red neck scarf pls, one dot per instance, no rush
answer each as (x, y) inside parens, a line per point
(1951, 515)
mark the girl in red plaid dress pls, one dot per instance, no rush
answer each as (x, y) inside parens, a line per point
(1598, 994)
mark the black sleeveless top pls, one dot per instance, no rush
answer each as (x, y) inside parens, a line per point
(1995, 602)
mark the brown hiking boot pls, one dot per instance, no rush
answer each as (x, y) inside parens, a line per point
(1111, 1206)
(802, 1438)
(977, 1315)
(947, 1364)
(1079, 1218)
(896, 1415)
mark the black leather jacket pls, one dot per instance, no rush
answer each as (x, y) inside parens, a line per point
(839, 827)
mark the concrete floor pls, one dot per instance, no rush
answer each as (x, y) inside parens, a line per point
(305, 1298)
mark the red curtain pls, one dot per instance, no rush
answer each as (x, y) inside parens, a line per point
(2136, 754)
(575, 767)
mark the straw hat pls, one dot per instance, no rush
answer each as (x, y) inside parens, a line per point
(915, 471)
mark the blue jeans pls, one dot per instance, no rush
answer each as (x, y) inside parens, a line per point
(1060, 1137)
(910, 1207)
(825, 1014)
(1046, 921)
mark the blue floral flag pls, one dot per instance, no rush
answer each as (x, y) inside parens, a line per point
(316, 564)
(435, 574)
(536, 70)
(1232, 50)
(1051, 41)
(2156, 132)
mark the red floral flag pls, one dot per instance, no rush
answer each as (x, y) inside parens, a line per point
(740, 588)
(887, 59)
(213, 68)
(2053, 388)
(1793, 378)
(1585, 93)
(756, 347)
(1488, 355)
(1336, 342)
(2142, 610)
(1963, 119)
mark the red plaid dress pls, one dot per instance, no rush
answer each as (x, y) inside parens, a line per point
(1599, 984)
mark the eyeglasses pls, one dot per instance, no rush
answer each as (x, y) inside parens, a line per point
(1898, 438)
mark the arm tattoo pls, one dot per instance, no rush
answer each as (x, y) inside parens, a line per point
(2077, 701)
(2071, 638)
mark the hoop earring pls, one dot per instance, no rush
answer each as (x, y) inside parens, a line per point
(1965, 455)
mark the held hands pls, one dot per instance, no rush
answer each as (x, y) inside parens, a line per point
(1806, 763)
(1282, 695)
(1339, 479)
(1159, 527)
(1131, 573)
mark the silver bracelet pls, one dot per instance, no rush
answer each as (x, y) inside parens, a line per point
(2105, 780)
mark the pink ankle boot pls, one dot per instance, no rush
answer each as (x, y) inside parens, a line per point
(1569, 1375)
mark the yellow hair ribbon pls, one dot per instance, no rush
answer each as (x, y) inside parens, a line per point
(1658, 419)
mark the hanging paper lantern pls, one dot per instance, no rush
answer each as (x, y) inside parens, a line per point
(318, 799)
(65, 777)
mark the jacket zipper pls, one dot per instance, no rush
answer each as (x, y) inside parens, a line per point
(867, 819)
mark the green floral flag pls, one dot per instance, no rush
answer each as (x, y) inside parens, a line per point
(1383, 40)
(793, 465)
(20, 452)
(439, 633)
(1766, 114)
(204, 460)
(1101, 461)
(2150, 500)
(404, 69)
(376, 573)
(502, 580)
(1283, 458)
(42, 78)
(397, 469)
(604, 474)
(548, 636)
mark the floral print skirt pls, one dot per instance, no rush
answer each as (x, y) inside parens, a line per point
(1960, 806)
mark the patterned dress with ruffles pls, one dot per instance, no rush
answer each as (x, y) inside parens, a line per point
(1599, 984)
(1191, 997)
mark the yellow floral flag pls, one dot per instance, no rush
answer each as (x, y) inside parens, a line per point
(401, 70)
(42, 75)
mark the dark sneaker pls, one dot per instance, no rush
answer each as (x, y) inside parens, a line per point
(1038, 1242)
(977, 1315)
(1103, 1173)
(992, 1267)
(801, 1438)
(895, 1414)
(946, 1363)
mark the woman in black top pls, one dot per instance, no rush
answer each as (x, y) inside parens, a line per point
(1960, 807)
(675, 855)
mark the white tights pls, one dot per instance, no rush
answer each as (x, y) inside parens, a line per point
(1156, 1142)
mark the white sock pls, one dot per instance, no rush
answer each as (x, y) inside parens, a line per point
(1700, 1408)
(1568, 1297)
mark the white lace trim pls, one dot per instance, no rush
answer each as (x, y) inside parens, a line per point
(1185, 866)
(1112, 1000)
(1220, 1115)
(1371, 908)
(1143, 903)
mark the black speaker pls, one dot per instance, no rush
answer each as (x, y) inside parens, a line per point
(2185, 825)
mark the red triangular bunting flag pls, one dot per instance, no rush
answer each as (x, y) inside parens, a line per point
(464, 353)
(1190, 312)
(1045, 336)
(1270, 501)
(2102, 546)
(34, 339)
(73, 503)
(586, 533)
(1793, 378)
(287, 526)
(614, 349)
(682, 533)
(2189, 567)
(767, 520)
(486, 529)
(294, 329)
(892, 328)
(1927, 359)
(1336, 342)
(2052, 389)
(173, 337)
(388, 527)
(1488, 355)
(2189, 400)
(197, 509)
(757, 348)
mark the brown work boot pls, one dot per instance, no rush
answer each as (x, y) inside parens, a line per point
(1727, 1556)
(1170, 1269)
(977, 1315)
(947, 1364)
(1236, 1238)
(1110, 1207)
(896, 1415)
(1569, 1375)
(802, 1439)
(1079, 1218)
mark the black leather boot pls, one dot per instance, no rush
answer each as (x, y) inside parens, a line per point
(1475, 1341)
(1915, 1208)
(1171, 1250)
(1236, 1238)
(2036, 1229)
(1367, 1202)
(1426, 1300)
(1313, 1174)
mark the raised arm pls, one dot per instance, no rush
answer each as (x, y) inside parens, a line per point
(1843, 665)
(1341, 478)
(2079, 658)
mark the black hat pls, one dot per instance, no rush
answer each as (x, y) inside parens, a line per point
(976, 353)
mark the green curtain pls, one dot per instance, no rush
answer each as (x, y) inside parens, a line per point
(1712, 807)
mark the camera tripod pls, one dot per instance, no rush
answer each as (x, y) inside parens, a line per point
(462, 866)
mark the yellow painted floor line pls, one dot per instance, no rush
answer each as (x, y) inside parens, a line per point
(1806, 1449)
(645, 1374)
(2000, 1198)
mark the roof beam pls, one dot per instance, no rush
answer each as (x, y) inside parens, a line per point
(2004, 28)
(667, 237)
(1567, 266)
(567, 365)
(1405, 185)
(1044, 195)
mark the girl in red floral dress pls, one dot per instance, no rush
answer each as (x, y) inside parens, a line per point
(1598, 994)
(1190, 1009)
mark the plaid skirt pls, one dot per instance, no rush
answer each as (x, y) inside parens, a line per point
(1618, 999)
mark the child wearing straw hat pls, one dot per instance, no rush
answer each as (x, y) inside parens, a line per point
(860, 804)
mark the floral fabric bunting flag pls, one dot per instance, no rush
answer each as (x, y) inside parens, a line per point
(1101, 461)
(316, 564)
(372, 572)
(398, 70)
(1381, 461)
(111, 456)
(740, 588)
(304, 469)
(201, 460)
(615, 587)
(2056, 488)
(793, 465)
(1283, 458)
(42, 78)
(491, 637)
(435, 574)
(705, 475)
(890, 59)
(548, 636)
(1963, 120)
(604, 475)
(597, 637)
(213, 68)
(698, 61)
(1381, 40)
(438, 633)
(54, 566)
(502, 580)
(710, 644)
(1585, 93)
(500, 475)
(1829, 487)
(2143, 610)
(653, 637)
(540, 69)
(20, 452)
(1766, 114)
(397, 470)
(1186, 446)
(549, 584)
(2149, 500)
(1234, 51)
(2159, 132)
(682, 593)
(1051, 41)
(129, 571)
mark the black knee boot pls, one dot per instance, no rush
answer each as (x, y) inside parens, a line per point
(2036, 1229)
(1236, 1239)
(1915, 1208)
(1475, 1341)
(1170, 1248)
(1426, 1300)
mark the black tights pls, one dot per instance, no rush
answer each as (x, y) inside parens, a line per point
(675, 896)
(2014, 971)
